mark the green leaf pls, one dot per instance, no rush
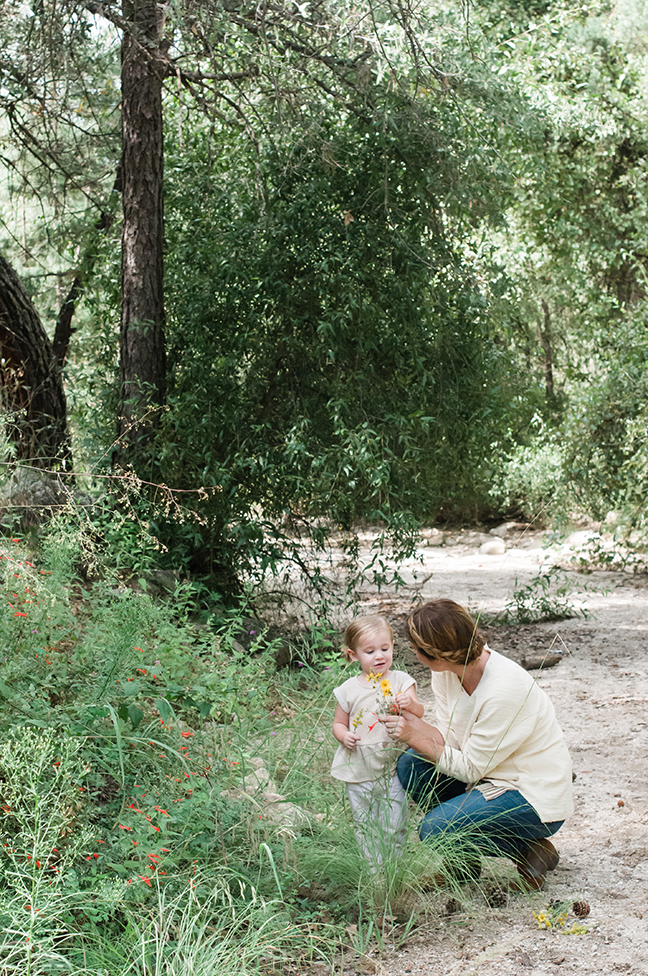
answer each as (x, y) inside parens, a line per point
(135, 714)
(165, 710)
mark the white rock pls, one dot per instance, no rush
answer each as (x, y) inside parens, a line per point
(496, 547)
(578, 539)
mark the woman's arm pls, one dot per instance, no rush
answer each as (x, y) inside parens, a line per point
(341, 729)
(411, 729)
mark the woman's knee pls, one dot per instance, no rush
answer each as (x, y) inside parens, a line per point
(405, 768)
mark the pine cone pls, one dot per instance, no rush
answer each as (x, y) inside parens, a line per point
(580, 909)
(497, 898)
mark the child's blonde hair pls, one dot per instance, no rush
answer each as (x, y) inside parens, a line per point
(361, 626)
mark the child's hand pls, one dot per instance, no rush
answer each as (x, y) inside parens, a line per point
(350, 740)
(404, 701)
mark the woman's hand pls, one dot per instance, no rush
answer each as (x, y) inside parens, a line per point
(408, 728)
(399, 727)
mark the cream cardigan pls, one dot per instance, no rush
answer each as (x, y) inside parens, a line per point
(504, 736)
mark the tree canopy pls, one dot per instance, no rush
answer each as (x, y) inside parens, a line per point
(366, 262)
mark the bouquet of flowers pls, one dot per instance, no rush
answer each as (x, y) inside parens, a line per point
(386, 701)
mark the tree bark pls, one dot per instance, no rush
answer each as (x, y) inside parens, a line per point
(30, 379)
(546, 340)
(142, 344)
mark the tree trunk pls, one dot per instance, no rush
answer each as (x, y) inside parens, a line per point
(142, 349)
(30, 379)
(546, 340)
(64, 330)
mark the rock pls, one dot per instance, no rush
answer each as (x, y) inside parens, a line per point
(259, 780)
(432, 537)
(578, 540)
(32, 495)
(510, 528)
(273, 806)
(496, 547)
(536, 662)
(285, 814)
(164, 580)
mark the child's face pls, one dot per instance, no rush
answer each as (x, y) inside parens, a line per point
(374, 652)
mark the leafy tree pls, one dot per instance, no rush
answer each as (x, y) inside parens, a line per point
(574, 250)
(330, 348)
(215, 54)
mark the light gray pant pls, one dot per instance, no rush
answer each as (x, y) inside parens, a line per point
(379, 808)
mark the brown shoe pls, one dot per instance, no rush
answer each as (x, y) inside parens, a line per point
(533, 863)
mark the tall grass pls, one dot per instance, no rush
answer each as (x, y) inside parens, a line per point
(134, 839)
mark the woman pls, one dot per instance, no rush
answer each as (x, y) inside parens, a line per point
(493, 773)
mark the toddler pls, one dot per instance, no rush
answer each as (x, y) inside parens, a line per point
(366, 755)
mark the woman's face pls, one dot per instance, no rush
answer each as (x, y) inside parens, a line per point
(434, 664)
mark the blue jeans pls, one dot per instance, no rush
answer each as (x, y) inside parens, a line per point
(504, 826)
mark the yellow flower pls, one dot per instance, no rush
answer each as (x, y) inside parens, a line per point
(385, 686)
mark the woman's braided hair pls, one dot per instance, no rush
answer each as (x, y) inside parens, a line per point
(443, 631)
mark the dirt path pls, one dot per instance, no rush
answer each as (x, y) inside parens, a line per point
(600, 691)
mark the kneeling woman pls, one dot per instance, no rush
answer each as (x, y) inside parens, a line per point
(493, 773)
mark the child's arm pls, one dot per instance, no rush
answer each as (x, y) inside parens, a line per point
(341, 729)
(408, 702)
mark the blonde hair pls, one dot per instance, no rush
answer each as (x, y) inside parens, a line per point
(443, 631)
(361, 626)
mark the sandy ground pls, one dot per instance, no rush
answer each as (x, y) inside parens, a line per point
(600, 691)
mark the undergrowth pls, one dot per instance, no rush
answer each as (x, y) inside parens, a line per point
(548, 596)
(166, 805)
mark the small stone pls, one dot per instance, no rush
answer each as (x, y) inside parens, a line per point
(558, 960)
(497, 547)
(367, 966)
(452, 906)
(524, 959)
(620, 803)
